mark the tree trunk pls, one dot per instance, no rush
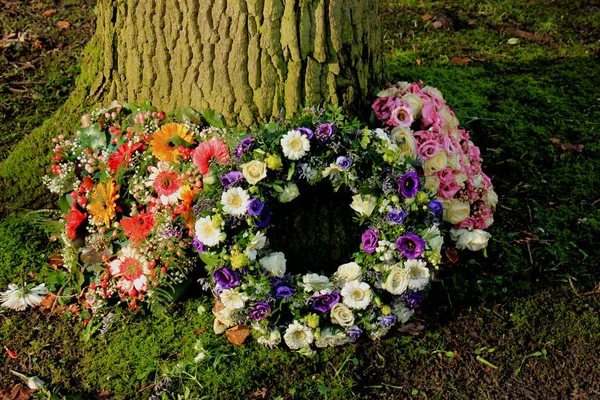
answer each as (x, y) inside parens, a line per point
(250, 60)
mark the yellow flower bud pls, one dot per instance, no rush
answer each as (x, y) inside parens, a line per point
(386, 310)
(312, 320)
(273, 162)
(422, 197)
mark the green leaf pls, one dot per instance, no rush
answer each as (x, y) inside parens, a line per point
(209, 259)
(486, 362)
(189, 115)
(278, 188)
(354, 361)
(291, 171)
(536, 354)
(517, 371)
(324, 390)
(65, 202)
(450, 354)
(92, 137)
(213, 118)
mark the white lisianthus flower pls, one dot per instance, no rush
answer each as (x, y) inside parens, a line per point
(18, 299)
(206, 231)
(357, 294)
(332, 170)
(405, 141)
(254, 171)
(315, 282)
(397, 280)
(342, 315)
(403, 313)
(473, 240)
(418, 274)
(274, 263)
(258, 242)
(295, 145)
(235, 201)
(233, 300)
(455, 210)
(298, 336)
(348, 272)
(33, 382)
(364, 205)
(434, 238)
(329, 338)
(290, 192)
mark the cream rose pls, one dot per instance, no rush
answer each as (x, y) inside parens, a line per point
(341, 315)
(274, 263)
(415, 102)
(472, 240)
(254, 171)
(348, 272)
(363, 205)
(397, 281)
(456, 211)
(405, 141)
(432, 183)
(436, 163)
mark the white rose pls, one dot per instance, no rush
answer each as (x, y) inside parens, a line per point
(274, 263)
(491, 198)
(454, 163)
(432, 183)
(472, 240)
(363, 205)
(254, 171)
(348, 272)
(397, 281)
(405, 141)
(342, 315)
(415, 102)
(433, 91)
(290, 192)
(456, 211)
(436, 163)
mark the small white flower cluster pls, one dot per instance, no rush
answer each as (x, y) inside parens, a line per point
(387, 250)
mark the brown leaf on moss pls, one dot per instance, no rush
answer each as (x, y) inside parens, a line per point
(238, 334)
(17, 392)
(47, 302)
(460, 60)
(260, 393)
(452, 254)
(560, 145)
(426, 17)
(63, 24)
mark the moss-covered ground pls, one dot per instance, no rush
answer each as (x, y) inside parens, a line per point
(522, 76)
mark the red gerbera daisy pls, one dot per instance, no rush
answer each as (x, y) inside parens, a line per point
(137, 227)
(75, 218)
(206, 151)
(123, 156)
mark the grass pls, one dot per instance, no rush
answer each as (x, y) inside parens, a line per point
(517, 324)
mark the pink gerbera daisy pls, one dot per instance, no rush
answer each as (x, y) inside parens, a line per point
(166, 183)
(206, 151)
(132, 268)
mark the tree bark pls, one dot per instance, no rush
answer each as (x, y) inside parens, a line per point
(250, 60)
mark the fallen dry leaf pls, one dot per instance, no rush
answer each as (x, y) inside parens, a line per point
(56, 260)
(17, 392)
(49, 12)
(199, 331)
(47, 302)
(261, 393)
(460, 60)
(412, 328)
(437, 24)
(426, 17)
(452, 254)
(560, 145)
(238, 334)
(419, 61)
(63, 24)
(11, 353)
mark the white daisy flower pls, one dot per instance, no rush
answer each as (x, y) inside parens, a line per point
(235, 201)
(357, 294)
(206, 232)
(18, 299)
(295, 145)
(298, 336)
(315, 282)
(418, 274)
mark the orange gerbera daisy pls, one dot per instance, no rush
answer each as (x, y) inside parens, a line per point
(139, 226)
(102, 207)
(166, 141)
(206, 151)
(185, 208)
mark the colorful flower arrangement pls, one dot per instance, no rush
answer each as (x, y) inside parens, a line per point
(146, 198)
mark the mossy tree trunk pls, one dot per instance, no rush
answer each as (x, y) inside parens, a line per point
(250, 60)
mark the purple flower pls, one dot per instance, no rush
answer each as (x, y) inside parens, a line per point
(396, 216)
(259, 311)
(242, 147)
(435, 207)
(369, 240)
(284, 291)
(255, 207)
(383, 107)
(388, 320)
(324, 132)
(408, 185)
(343, 162)
(264, 218)
(413, 299)
(354, 332)
(324, 302)
(231, 178)
(306, 132)
(226, 278)
(410, 245)
(198, 245)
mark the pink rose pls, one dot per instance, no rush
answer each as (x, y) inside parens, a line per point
(446, 175)
(428, 149)
(448, 189)
(383, 107)
(430, 116)
(401, 116)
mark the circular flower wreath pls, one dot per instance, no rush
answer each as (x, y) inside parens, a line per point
(143, 197)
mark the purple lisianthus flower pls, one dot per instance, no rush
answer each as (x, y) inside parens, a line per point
(383, 107)
(408, 185)
(324, 132)
(413, 299)
(231, 178)
(259, 311)
(354, 332)
(284, 291)
(255, 207)
(324, 302)
(226, 278)
(388, 320)
(343, 162)
(264, 218)
(198, 245)
(369, 240)
(435, 207)
(410, 245)
(242, 147)
(306, 132)
(396, 216)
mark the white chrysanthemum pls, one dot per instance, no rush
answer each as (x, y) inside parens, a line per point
(18, 299)
(397, 280)
(418, 274)
(274, 263)
(298, 336)
(258, 242)
(348, 272)
(357, 294)
(295, 145)
(403, 313)
(206, 232)
(315, 282)
(235, 201)
(233, 300)
(329, 338)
